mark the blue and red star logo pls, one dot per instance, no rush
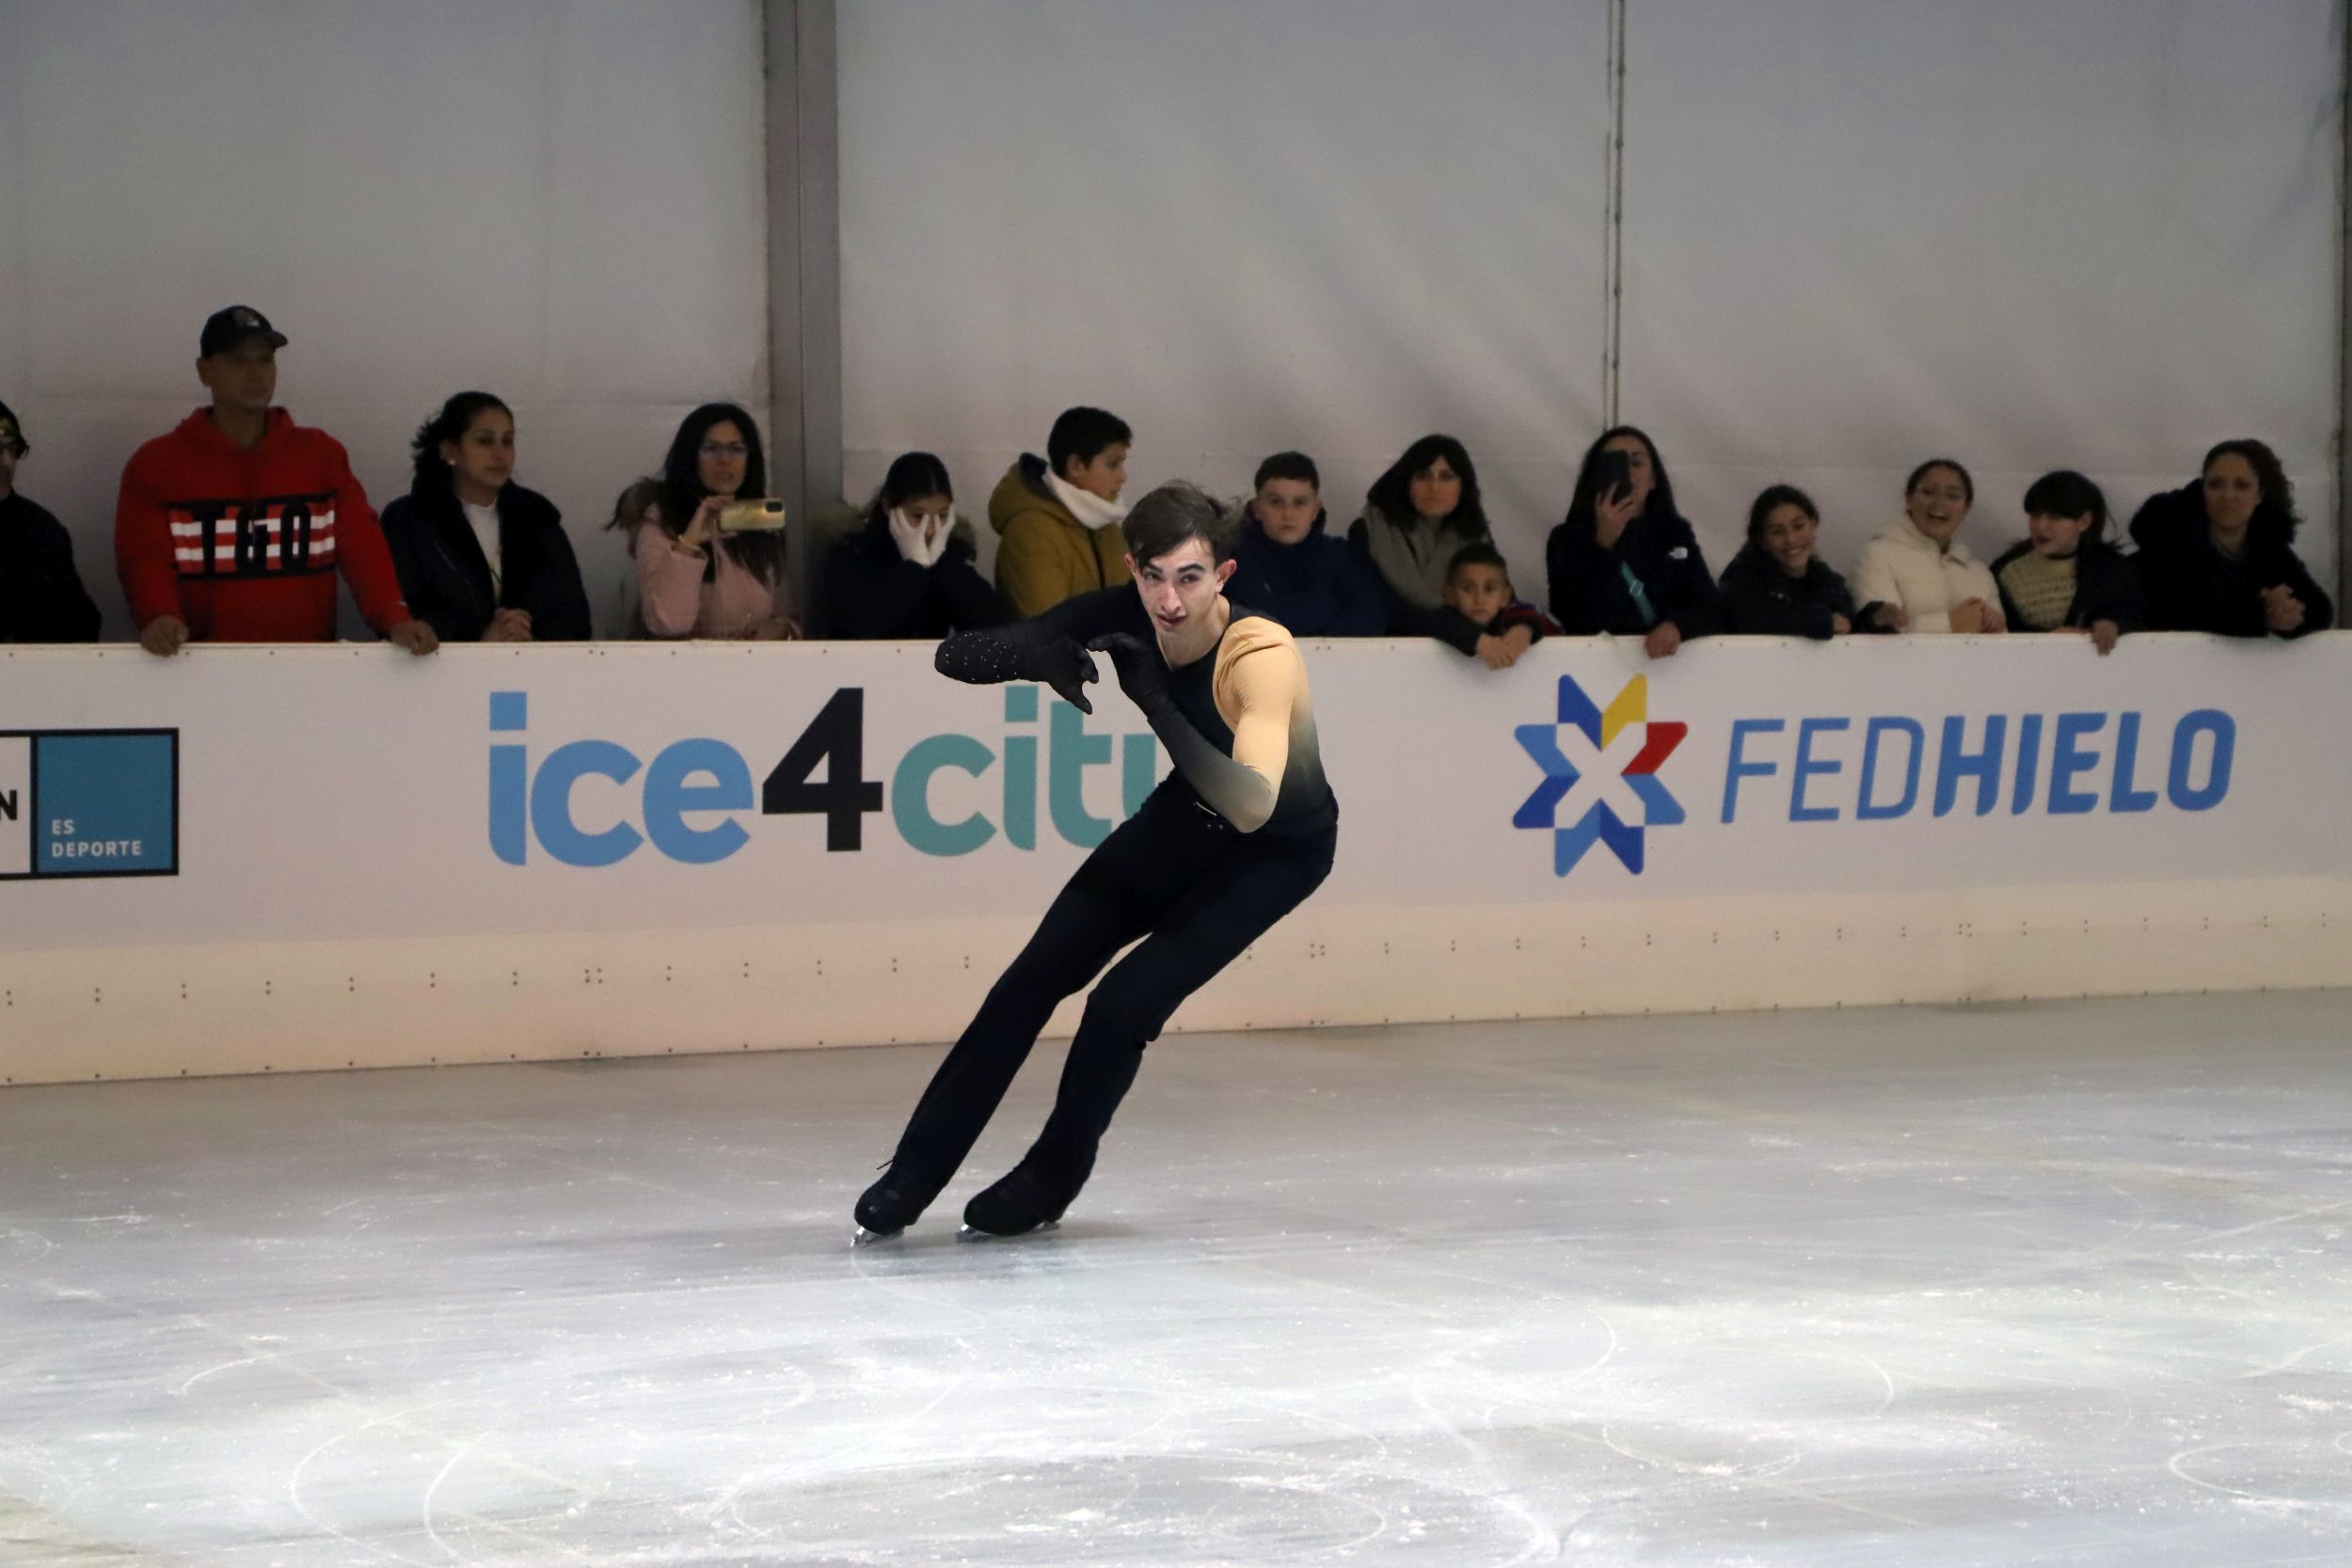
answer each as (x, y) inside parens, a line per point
(1620, 749)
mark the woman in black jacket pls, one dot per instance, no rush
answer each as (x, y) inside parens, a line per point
(908, 574)
(1625, 562)
(1777, 586)
(2218, 555)
(2064, 575)
(480, 558)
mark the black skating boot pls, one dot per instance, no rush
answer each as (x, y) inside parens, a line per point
(891, 1204)
(1023, 1201)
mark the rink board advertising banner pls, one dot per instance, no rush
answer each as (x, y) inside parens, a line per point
(89, 804)
(349, 794)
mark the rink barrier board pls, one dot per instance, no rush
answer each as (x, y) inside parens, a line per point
(1389, 946)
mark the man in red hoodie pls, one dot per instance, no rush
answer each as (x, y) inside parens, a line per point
(231, 527)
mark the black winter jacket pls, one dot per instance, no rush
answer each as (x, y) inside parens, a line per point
(1589, 593)
(2193, 587)
(41, 596)
(446, 578)
(1761, 600)
(2107, 587)
(874, 592)
(1319, 587)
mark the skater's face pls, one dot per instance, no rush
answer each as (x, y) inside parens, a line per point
(1180, 588)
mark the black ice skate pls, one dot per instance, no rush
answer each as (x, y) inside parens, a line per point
(1019, 1203)
(890, 1204)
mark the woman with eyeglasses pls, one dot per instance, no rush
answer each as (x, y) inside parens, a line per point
(694, 577)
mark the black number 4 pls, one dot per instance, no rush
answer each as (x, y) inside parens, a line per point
(837, 734)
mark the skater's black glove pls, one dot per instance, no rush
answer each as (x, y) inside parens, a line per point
(1142, 673)
(1064, 666)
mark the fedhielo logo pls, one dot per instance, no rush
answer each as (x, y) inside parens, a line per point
(1600, 778)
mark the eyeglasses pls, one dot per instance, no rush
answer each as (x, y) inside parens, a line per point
(725, 448)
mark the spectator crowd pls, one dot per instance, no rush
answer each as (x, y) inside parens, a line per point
(236, 524)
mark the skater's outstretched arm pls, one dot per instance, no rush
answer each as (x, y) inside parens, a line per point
(1050, 648)
(1243, 787)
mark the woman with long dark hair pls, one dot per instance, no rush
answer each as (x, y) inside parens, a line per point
(693, 577)
(481, 559)
(1624, 561)
(1416, 516)
(908, 573)
(2218, 554)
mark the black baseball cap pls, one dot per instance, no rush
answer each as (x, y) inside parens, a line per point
(225, 329)
(11, 432)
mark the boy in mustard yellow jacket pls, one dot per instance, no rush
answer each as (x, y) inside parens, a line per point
(1056, 517)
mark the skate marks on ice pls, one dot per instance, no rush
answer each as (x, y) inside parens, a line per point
(1689, 1291)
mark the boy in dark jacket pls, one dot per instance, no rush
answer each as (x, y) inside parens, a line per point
(2218, 556)
(1777, 586)
(41, 596)
(1287, 568)
(1478, 590)
(2064, 576)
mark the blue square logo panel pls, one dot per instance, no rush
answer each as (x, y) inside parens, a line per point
(89, 804)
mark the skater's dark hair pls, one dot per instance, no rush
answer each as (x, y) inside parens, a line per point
(1175, 511)
(1083, 433)
(1288, 464)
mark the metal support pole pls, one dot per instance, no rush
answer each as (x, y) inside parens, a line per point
(803, 266)
(1613, 238)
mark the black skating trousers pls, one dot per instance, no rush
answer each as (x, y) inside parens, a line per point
(1195, 892)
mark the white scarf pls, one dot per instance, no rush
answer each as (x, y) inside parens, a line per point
(1091, 510)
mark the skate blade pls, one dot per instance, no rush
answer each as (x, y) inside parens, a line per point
(864, 1237)
(968, 1234)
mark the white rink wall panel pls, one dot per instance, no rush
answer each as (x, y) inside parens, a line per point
(366, 859)
(2029, 234)
(559, 200)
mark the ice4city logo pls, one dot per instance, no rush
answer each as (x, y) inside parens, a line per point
(1601, 775)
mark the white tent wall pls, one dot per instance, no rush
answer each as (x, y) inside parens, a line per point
(1241, 224)
(2029, 234)
(561, 201)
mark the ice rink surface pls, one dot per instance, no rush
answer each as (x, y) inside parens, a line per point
(2051, 1284)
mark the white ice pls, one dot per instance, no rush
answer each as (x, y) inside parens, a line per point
(2059, 1284)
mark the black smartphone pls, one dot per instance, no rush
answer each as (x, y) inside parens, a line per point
(1613, 476)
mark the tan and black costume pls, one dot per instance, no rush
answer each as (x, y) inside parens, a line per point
(1235, 839)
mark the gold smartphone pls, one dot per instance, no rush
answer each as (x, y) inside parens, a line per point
(752, 517)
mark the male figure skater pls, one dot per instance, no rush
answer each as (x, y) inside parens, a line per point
(1228, 842)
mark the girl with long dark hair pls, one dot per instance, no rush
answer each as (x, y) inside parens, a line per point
(694, 579)
(1624, 561)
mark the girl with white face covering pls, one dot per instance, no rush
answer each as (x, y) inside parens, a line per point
(908, 573)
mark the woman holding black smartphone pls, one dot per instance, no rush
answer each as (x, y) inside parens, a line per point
(1625, 562)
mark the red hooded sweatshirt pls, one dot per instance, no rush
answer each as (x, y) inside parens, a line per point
(244, 546)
